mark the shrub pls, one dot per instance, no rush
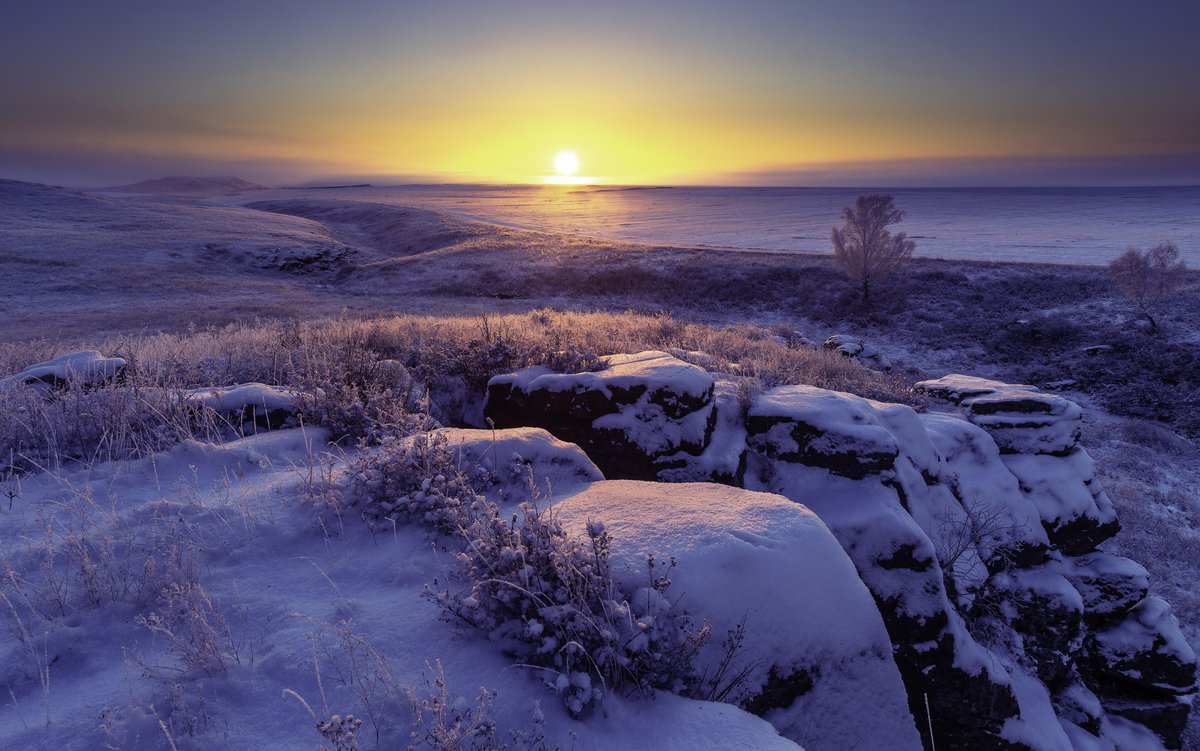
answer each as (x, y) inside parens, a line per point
(552, 600)
(554, 603)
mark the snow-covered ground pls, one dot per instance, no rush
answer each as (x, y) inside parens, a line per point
(295, 605)
(279, 606)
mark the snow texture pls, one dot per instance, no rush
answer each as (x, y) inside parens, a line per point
(772, 562)
(86, 368)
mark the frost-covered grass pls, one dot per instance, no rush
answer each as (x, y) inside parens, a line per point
(364, 378)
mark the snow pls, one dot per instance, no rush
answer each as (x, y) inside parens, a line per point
(562, 465)
(1149, 627)
(956, 387)
(290, 590)
(1063, 488)
(228, 399)
(656, 371)
(772, 562)
(1037, 727)
(1107, 583)
(88, 367)
(843, 423)
(722, 457)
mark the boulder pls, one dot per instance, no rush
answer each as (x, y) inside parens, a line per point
(1075, 511)
(87, 368)
(519, 456)
(1020, 418)
(248, 407)
(815, 648)
(1109, 585)
(632, 418)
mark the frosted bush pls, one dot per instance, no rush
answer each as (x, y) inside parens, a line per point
(554, 603)
(418, 479)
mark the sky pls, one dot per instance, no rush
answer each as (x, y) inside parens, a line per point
(848, 92)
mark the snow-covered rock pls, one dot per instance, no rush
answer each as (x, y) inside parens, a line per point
(1109, 585)
(815, 647)
(983, 520)
(86, 368)
(724, 457)
(630, 418)
(1038, 435)
(1074, 508)
(820, 428)
(519, 455)
(1020, 418)
(852, 346)
(1143, 669)
(248, 406)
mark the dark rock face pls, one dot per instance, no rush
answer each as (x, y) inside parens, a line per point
(640, 415)
(975, 533)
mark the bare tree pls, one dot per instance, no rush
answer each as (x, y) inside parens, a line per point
(863, 248)
(1148, 279)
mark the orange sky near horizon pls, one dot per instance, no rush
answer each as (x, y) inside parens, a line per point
(669, 93)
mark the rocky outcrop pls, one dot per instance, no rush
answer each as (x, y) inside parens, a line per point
(1038, 435)
(815, 652)
(634, 418)
(974, 528)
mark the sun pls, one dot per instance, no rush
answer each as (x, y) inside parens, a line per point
(566, 163)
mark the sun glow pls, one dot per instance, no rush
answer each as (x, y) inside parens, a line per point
(566, 163)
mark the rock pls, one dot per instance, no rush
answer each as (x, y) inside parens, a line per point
(820, 428)
(519, 455)
(249, 406)
(1074, 508)
(816, 649)
(852, 346)
(724, 458)
(958, 388)
(87, 368)
(971, 467)
(1038, 435)
(873, 474)
(1145, 649)
(1048, 613)
(1020, 418)
(937, 658)
(1109, 585)
(1143, 669)
(630, 418)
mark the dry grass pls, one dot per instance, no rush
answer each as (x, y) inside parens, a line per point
(358, 365)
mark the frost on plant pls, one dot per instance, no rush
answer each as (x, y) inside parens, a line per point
(554, 603)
